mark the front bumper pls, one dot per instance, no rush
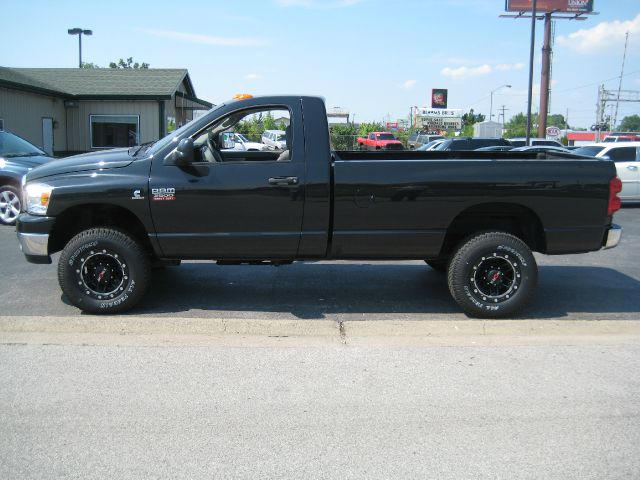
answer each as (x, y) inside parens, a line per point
(612, 237)
(33, 235)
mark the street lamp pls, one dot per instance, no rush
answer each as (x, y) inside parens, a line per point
(79, 32)
(491, 105)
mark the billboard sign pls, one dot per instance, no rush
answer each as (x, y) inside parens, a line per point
(549, 6)
(439, 98)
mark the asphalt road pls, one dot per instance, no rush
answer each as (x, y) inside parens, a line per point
(541, 412)
(597, 285)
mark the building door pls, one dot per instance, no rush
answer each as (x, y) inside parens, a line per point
(47, 135)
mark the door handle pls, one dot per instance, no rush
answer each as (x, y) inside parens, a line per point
(633, 168)
(283, 181)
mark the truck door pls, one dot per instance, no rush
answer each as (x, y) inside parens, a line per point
(234, 204)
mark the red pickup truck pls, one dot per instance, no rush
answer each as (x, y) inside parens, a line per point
(380, 141)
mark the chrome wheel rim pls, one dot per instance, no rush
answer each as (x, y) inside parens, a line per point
(9, 206)
(102, 274)
(495, 278)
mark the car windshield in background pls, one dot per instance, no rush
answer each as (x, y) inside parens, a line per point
(281, 138)
(242, 138)
(13, 146)
(590, 151)
(385, 136)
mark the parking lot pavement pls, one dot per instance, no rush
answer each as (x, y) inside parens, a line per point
(603, 285)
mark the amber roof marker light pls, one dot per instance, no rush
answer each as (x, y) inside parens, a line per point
(242, 96)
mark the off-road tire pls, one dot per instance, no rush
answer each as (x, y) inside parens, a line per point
(103, 270)
(492, 275)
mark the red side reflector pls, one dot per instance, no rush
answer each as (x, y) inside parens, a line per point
(615, 187)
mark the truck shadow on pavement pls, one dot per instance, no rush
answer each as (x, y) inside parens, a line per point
(373, 291)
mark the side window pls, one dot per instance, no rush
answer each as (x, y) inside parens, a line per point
(372, 136)
(252, 135)
(622, 154)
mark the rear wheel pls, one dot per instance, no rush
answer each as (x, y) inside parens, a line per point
(103, 270)
(9, 204)
(492, 275)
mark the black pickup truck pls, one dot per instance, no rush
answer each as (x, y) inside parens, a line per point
(476, 215)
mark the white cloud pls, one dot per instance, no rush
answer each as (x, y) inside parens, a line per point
(409, 84)
(318, 3)
(252, 76)
(463, 72)
(505, 67)
(601, 37)
(206, 39)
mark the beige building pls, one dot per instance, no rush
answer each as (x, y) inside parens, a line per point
(72, 110)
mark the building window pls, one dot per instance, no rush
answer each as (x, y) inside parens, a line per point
(1, 124)
(108, 131)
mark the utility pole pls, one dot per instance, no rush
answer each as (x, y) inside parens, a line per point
(624, 57)
(545, 79)
(504, 119)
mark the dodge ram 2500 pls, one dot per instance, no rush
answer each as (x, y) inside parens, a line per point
(476, 215)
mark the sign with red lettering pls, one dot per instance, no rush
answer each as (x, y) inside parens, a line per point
(550, 6)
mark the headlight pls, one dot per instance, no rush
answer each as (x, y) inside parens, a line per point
(37, 196)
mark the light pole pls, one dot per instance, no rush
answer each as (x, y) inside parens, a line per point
(491, 105)
(79, 32)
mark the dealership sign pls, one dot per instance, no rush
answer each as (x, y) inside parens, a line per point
(553, 132)
(569, 6)
(441, 113)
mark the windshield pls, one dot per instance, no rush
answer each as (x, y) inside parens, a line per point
(14, 146)
(242, 138)
(590, 151)
(385, 136)
(281, 138)
(163, 142)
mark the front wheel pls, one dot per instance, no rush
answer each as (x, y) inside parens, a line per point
(103, 270)
(9, 205)
(492, 275)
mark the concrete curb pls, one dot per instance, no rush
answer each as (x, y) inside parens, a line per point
(130, 330)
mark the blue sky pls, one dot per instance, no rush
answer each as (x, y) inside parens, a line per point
(375, 58)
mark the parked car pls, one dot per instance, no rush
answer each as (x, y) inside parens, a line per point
(430, 146)
(380, 141)
(17, 157)
(622, 137)
(240, 142)
(522, 141)
(626, 155)
(416, 140)
(471, 143)
(541, 149)
(275, 139)
(495, 148)
(112, 213)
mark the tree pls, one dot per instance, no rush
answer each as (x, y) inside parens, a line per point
(128, 64)
(89, 65)
(343, 136)
(517, 126)
(367, 128)
(469, 120)
(557, 120)
(630, 124)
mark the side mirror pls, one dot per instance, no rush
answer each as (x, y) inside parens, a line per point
(226, 141)
(182, 155)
